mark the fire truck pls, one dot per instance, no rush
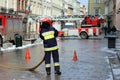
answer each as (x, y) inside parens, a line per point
(9, 26)
(84, 26)
(12, 24)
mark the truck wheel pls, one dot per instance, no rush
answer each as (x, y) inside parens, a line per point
(84, 35)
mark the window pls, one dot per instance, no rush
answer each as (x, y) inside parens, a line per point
(97, 1)
(96, 11)
(69, 25)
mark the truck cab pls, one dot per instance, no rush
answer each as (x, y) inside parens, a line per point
(70, 29)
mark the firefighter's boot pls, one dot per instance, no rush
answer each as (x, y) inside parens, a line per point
(58, 72)
(48, 71)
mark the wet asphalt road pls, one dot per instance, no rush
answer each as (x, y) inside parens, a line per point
(91, 64)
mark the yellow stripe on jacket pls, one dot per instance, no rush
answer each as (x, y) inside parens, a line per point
(48, 35)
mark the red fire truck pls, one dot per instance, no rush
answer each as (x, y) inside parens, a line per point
(90, 26)
(9, 26)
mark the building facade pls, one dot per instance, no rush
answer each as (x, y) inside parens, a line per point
(83, 10)
(76, 8)
(109, 5)
(117, 17)
(56, 8)
(43, 7)
(96, 7)
(8, 6)
(112, 10)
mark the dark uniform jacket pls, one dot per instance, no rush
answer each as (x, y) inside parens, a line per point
(48, 35)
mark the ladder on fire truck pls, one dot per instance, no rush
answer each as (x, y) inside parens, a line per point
(83, 25)
(68, 18)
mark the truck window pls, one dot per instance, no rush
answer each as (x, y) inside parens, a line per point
(0, 21)
(69, 26)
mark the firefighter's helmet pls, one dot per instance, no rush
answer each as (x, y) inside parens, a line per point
(46, 19)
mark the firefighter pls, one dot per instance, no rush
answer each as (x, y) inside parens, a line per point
(48, 34)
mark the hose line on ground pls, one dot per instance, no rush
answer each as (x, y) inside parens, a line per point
(23, 68)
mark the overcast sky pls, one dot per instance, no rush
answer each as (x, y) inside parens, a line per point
(85, 2)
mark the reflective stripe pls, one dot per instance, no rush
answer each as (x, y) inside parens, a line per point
(47, 65)
(48, 35)
(51, 48)
(56, 64)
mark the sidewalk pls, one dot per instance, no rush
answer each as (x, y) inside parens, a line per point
(25, 44)
(115, 65)
(114, 59)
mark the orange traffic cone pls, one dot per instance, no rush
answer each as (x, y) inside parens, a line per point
(27, 54)
(75, 56)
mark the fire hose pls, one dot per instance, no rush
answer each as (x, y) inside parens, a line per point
(23, 68)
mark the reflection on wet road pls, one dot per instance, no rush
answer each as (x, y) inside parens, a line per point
(91, 64)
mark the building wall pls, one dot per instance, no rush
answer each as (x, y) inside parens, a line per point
(43, 7)
(70, 7)
(65, 8)
(92, 5)
(117, 15)
(36, 7)
(56, 7)
(109, 5)
(83, 10)
(106, 7)
(9, 4)
(75, 7)
(46, 8)
(112, 11)
(12, 4)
